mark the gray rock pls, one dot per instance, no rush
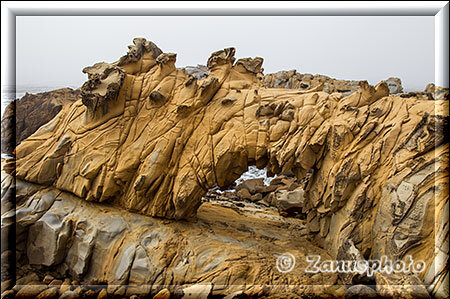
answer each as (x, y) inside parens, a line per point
(79, 255)
(290, 201)
(198, 72)
(122, 267)
(360, 291)
(251, 185)
(47, 240)
(395, 85)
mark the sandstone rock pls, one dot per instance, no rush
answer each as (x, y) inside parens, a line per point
(198, 72)
(119, 292)
(228, 247)
(395, 85)
(78, 292)
(256, 197)
(89, 294)
(251, 185)
(400, 286)
(6, 284)
(200, 291)
(30, 291)
(290, 201)
(103, 294)
(244, 194)
(47, 241)
(376, 165)
(438, 93)
(26, 115)
(50, 293)
(65, 287)
(29, 278)
(68, 295)
(47, 279)
(163, 294)
(265, 189)
(360, 291)
(9, 294)
(233, 295)
(293, 80)
(55, 282)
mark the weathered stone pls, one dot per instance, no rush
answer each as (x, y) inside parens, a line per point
(400, 286)
(6, 285)
(119, 292)
(68, 295)
(55, 282)
(251, 185)
(138, 250)
(290, 201)
(47, 279)
(198, 72)
(360, 291)
(30, 291)
(265, 189)
(163, 294)
(437, 92)
(244, 194)
(47, 240)
(24, 116)
(9, 294)
(372, 168)
(103, 294)
(31, 277)
(65, 287)
(50, 293)
(198, 291)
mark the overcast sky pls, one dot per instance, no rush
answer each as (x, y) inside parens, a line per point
(52, 51)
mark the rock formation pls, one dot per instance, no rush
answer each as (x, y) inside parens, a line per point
(148, 138)
(24, 116)
(56, 235)
(293, 80)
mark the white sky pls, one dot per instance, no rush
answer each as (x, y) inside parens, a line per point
(52, 51)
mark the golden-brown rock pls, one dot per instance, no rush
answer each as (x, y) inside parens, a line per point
(159, 142)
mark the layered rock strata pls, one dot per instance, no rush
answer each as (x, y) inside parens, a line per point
(377, 163)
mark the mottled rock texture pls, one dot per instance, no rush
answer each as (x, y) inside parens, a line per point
(221, 253)
(378, 164)
(293, 80)
(24, 116)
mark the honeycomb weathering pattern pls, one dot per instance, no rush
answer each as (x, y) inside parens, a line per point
(150, 139)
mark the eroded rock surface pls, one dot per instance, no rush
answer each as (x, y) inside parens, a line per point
(293, 80)
(24, 116)
(225, 251)
(377, 163)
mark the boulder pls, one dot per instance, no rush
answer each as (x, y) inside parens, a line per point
(244, 194)
(251, 185)
(30, 291)
(50, 293)
(360, 291)
(290, 202)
